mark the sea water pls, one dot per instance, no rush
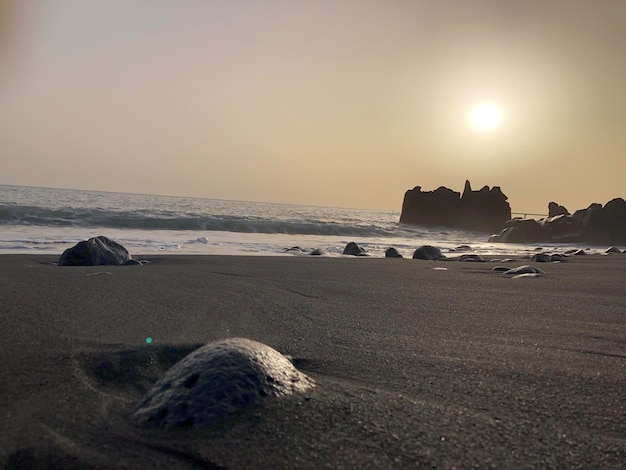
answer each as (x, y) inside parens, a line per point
(46, 220)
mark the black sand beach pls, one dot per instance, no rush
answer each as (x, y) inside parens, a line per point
(414, 367)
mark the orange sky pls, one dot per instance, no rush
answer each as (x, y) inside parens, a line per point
(330, 103)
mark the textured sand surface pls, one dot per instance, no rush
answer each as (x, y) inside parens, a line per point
(460, 367)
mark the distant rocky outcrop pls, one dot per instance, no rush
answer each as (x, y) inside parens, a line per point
(597, 224)
(485, 210)
(97, 251)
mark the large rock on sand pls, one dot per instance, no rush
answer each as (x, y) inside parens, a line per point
(217, 381)
(96, 251)
(428, 252)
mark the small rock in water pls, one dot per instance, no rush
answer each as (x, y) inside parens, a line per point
(575, 252)
(217, 381)
(612, 250)
(463, 248)
(353, 249)
(428, 252)
(317, 252)
(392, 253)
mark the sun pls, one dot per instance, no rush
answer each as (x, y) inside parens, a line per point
(486, 117)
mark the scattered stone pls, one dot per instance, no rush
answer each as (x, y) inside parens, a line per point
(575, 252)
(613, 249)
(462, 248)
(542, 258)
(500, 269)
(216, 381)
(428, 252)
(134, 262)
(392, 253)
(318, 252)
(523, 270)
(472, 258)
(526, 276)
(97, 251)
(353, 249)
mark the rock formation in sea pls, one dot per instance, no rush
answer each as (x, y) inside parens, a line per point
(484, 210)
(597, 224)
(97, 251)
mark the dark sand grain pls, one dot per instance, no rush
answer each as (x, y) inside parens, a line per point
(414, 367)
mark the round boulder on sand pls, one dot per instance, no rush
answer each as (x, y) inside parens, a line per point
(216, 381)
(428, 252)
(392, 253)
(353, 249)
(97, 251)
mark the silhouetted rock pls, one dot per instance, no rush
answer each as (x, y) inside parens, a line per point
(596, 225)
(484, 210)
(554, 209)
(428, 252)
(354, 250)
(96, 251)
(607, 225)
(392, 253)
(520, 231)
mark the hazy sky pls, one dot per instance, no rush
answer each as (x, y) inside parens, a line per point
(325, 102)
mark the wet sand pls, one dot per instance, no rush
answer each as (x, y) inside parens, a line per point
(414, 366)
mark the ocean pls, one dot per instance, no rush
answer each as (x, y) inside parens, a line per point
(47, 220)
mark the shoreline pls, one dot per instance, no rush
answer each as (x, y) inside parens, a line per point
(414, 366)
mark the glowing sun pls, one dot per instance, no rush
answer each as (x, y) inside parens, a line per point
(486, 117)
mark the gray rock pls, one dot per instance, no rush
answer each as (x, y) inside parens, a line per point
(472, 258)
(217, 381)
(523, 270)
(500, 269)
(613, 249)
(428, 252)
(392, 253)
(542, 258)
(97, 251)
(353, 249)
